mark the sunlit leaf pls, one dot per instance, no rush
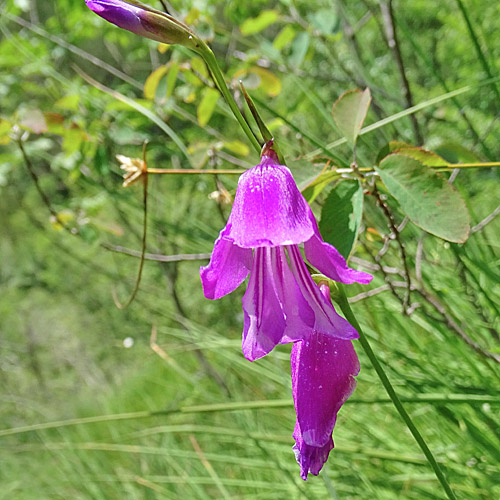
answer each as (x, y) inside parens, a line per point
(69, 102)
(341, 216)
(152, 82)
(63, 218)
(259, 23)
(428, 158)
(314, 188)
(349, 112)
(237, 147)
(117, 105)
(72, 139)
(192, 16)
(5, 128)
(173, 71)
(389, 148)
(207, 105)
(199, 66)
(284, 37)
(269, 82)
(426, 197)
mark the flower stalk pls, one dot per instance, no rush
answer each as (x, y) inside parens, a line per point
(342, 301)
(210, 60)
(148, 22)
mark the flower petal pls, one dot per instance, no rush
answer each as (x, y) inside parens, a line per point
(327, 259)
(268, 209)
(228, 267)
(144, 21)
(122, 14)
(310, 458)
(264, 322)
(327, 320)
(322, 380)
(299, 315)
(323, 371)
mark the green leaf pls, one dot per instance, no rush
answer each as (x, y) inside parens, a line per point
(269, 82)
(426, 197)
(207, 105)
(428, 158)
(199, 66)
(389, 148)
(456, 153)
(237, 147)
(5, 128)
(173, 71)
(284, 37)
(314, 188)
(152, 82)
(326, 21)
(299, 49)
(349, 112)
(341, 216)
(69, 102)
(259, 23)
(424, 156)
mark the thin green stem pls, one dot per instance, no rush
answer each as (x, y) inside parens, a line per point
(346, 309)
(313, 140)
(471, 399)
(211, 62)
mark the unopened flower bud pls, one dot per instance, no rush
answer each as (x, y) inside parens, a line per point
(145, 21)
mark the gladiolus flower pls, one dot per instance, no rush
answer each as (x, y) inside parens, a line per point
(323, 370)
(282, 304)
(143, 20)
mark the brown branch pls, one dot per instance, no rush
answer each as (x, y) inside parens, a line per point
(452, 325)
(155, 256)
(392, 41)
(41, 192)
(419, 256)
(438, 307)
(395, 231)
(381, 268)
(485, 221)
(145, 178)
(474, 299)
(374, 267)
(369, 293)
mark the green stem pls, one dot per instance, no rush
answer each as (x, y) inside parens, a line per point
(211, 62)
(363, 340)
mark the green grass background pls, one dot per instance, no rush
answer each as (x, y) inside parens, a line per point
(75, 401)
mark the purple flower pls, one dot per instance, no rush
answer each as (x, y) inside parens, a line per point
(145, 21)
(323, 370)
(282, 304)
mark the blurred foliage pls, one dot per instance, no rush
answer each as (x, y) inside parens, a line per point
(77, 91)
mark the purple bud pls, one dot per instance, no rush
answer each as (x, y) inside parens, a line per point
(144, 21)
